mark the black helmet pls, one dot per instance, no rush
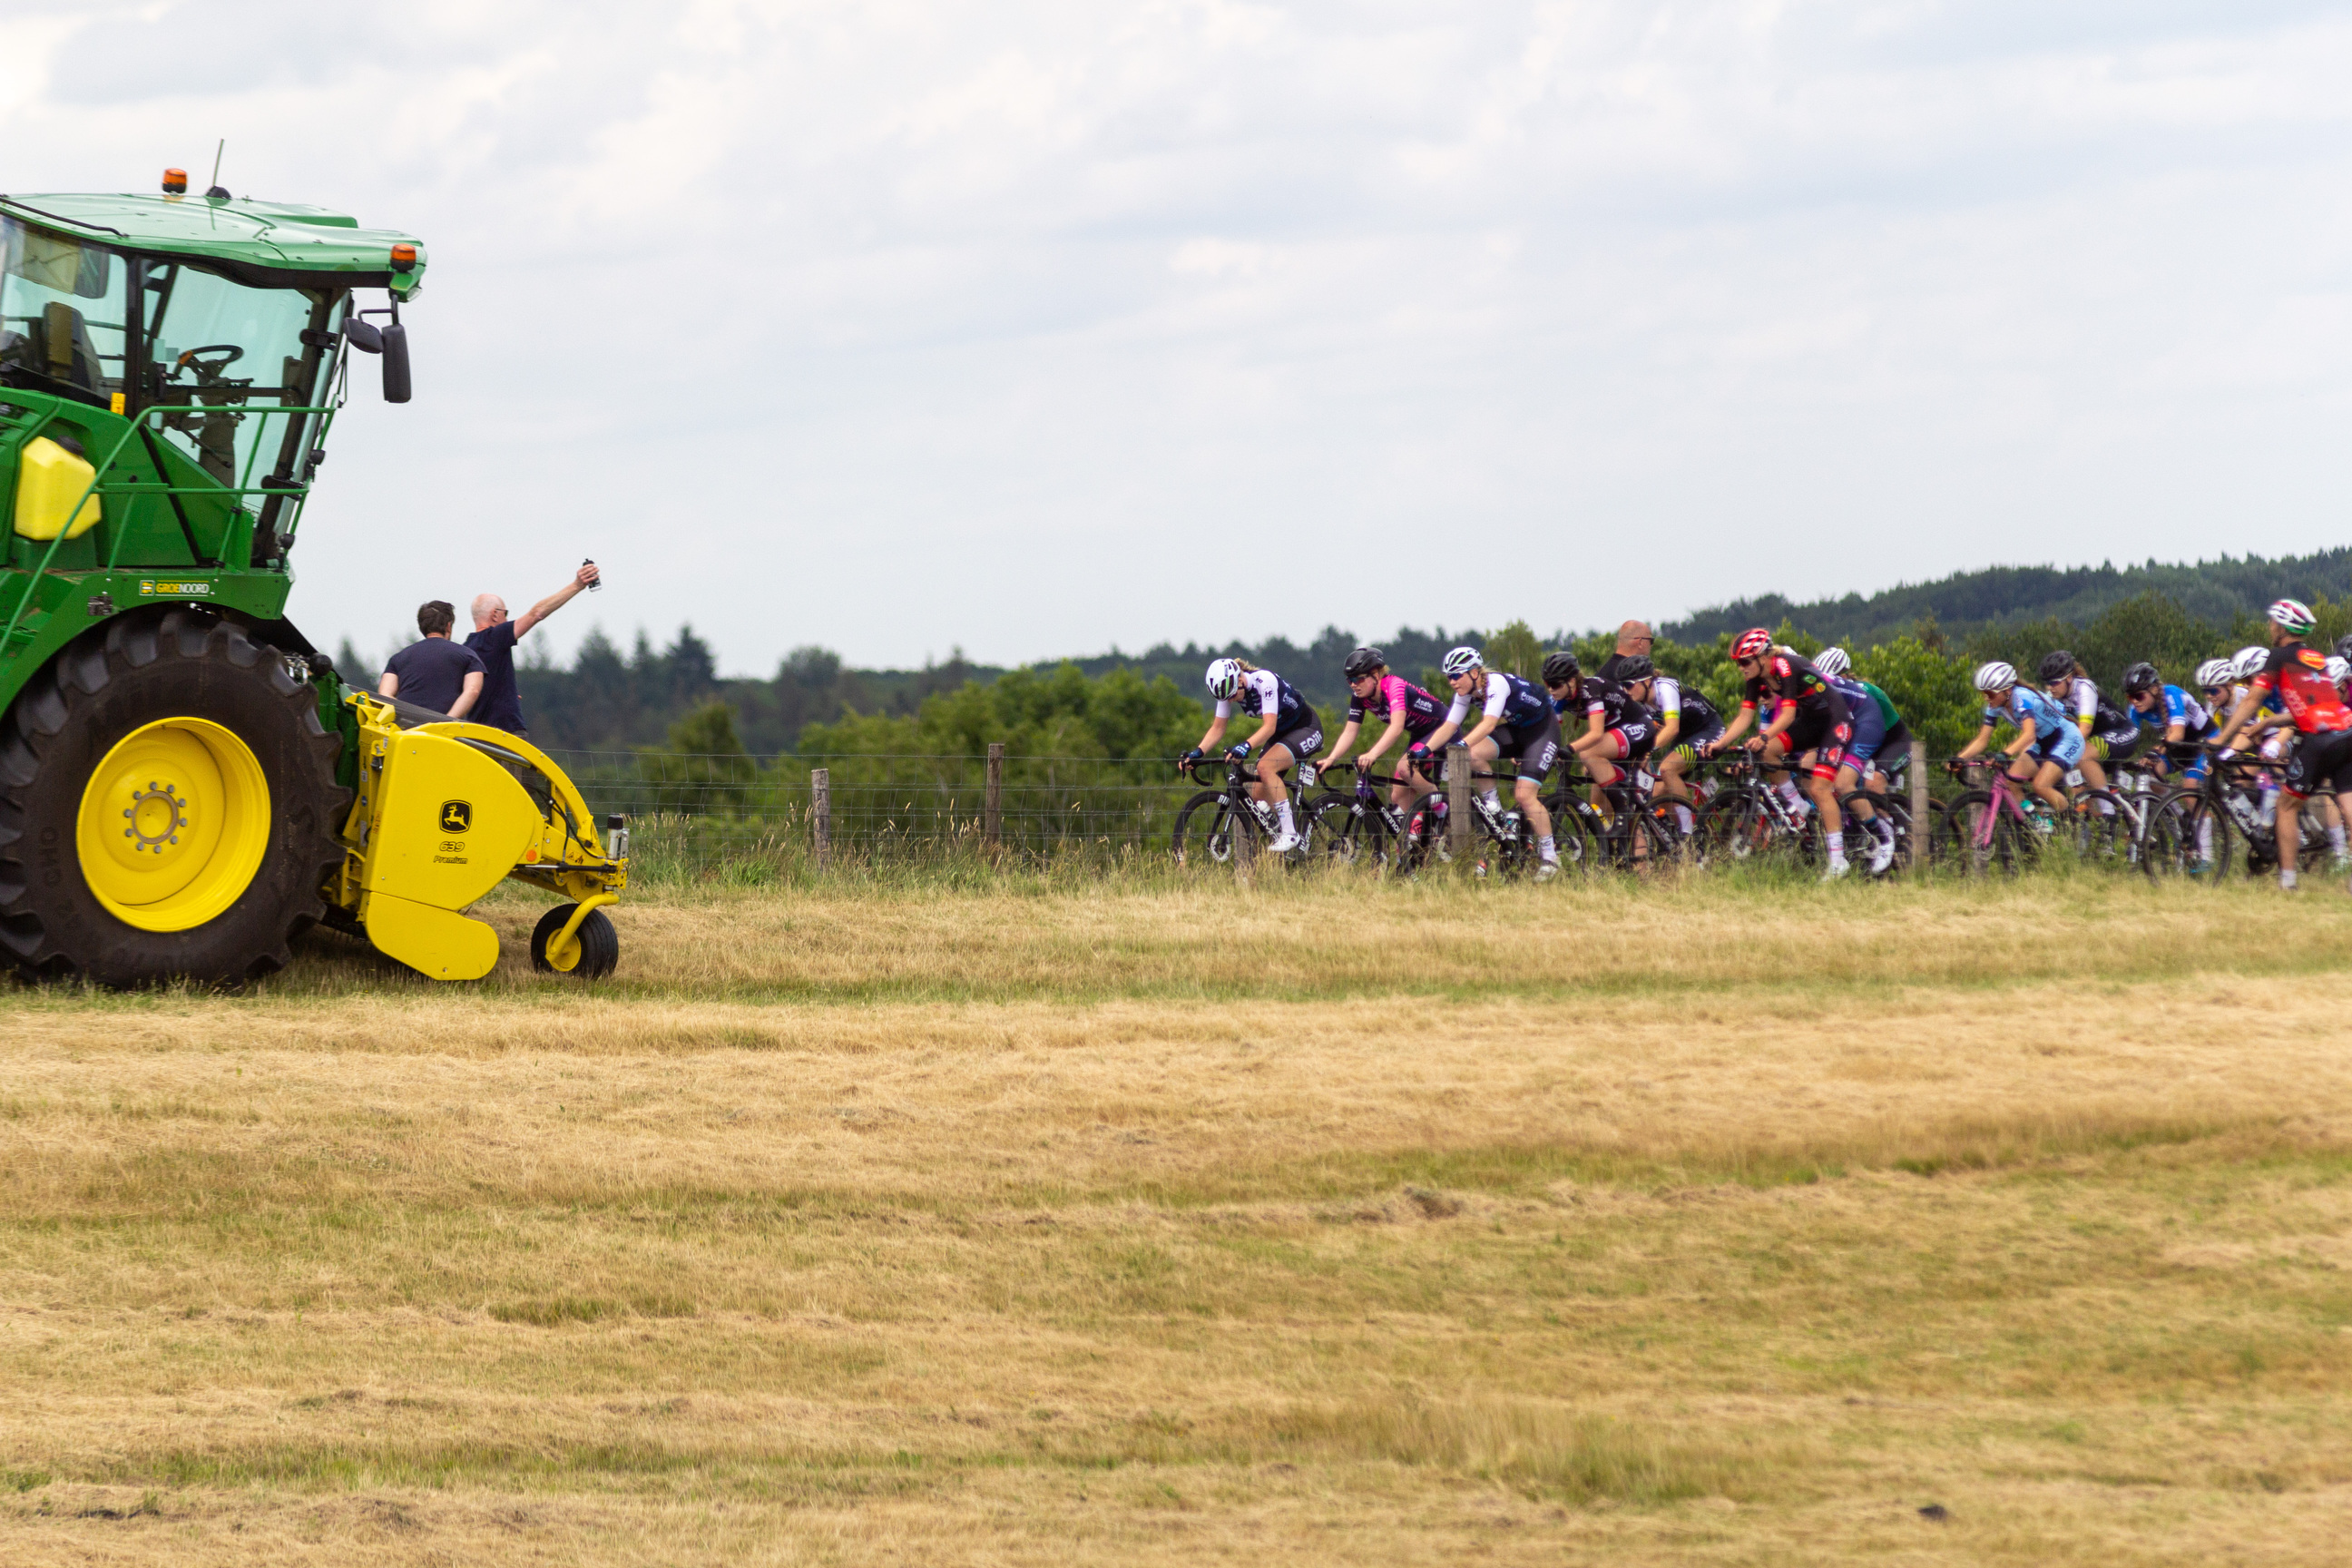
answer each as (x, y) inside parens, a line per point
(1363, 661)
(1559, 669)
(2057, 666)
(1633, 667)
(2141, 676)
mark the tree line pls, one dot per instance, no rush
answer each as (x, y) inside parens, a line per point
(1065, 712)
(671, 698)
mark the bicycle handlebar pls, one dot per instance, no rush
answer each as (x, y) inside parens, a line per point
(1235, 772)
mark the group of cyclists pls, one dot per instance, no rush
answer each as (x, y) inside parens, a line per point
(1811, 718)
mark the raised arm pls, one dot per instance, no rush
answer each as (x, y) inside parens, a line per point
(555, 601)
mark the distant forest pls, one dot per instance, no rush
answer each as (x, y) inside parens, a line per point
(611, 700)
(2214, 592)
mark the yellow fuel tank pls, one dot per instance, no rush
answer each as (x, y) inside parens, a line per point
(49, 479)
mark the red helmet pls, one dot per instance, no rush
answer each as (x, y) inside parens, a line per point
(1753, 644)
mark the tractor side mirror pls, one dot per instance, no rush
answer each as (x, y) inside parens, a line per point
(395, 363)
(363, 335)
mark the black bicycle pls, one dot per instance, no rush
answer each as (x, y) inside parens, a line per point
(1225, 824)
(1503, 842)
(1637, 833)
(1358, 827)
(2215, 827)
(1747, 819)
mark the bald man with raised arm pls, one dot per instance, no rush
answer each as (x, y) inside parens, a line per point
(1632, 637)
(494, 638)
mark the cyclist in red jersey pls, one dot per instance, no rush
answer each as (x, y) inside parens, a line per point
(2323, 748)
(1808, 715)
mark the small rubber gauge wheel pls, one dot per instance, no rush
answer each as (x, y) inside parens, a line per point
(593, 953)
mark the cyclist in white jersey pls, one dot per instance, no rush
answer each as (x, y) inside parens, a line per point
(2070, 685)
(1288, 732)
(1518, 726)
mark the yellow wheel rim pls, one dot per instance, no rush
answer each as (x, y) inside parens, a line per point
(561, 955)
(174, 824)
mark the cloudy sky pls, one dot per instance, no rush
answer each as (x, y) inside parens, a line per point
(1036, 328)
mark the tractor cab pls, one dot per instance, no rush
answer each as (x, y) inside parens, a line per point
(215, 328)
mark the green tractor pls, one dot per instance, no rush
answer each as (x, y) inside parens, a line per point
(185, 783)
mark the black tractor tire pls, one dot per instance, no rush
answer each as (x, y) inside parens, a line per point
(600, 944)
(137, 669)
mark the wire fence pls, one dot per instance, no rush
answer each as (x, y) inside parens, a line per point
(706, 813)
(759, 818)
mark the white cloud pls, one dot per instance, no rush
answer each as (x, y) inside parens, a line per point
(1030, 326)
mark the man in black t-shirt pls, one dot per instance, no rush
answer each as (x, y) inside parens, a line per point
(1635, 640)
(494, 638)
(436, 673)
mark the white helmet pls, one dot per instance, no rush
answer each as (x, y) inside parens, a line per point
(1994, 676)
(1224, 678)
(2214, 672)
(2250, 662)
(1462, 661)
(1832, 661)
(2340, 669)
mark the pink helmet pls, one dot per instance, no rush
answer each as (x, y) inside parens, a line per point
(1752, 644)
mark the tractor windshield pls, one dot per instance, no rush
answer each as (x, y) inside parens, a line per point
(61, 313)
(226, 352)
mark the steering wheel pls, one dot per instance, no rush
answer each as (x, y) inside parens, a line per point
(230, 353)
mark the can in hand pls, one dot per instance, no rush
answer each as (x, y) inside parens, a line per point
(597, 584)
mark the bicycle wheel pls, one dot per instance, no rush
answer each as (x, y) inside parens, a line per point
(1861, 835)
(1502, 848)
(2213, 850)
(1684, 838)
(1734, 828)
(2103, 838)
(1975, 837)
(1653, 847)
(1577, 832)
(1423, 843)
(1209, 832)
(2164, 836)
(1346, 832)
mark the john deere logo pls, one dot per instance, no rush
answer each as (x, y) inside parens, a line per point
(457, 816)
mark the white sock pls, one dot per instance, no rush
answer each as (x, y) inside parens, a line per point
(1788, 792)
(1494, 802)
(2286, 876)
(1682, 818)
(2336, 838)
(1282, 813)
(1546, 848)
(1837, 845)
(2107, 807)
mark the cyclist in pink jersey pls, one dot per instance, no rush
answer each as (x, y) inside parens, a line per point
(1412, 714)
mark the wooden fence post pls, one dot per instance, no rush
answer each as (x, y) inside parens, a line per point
(821, 815)
(1457, 798)
(1920, 805)
(992, 815)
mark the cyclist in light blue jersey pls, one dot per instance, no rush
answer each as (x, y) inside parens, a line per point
(2047, 746)
(2177, 717)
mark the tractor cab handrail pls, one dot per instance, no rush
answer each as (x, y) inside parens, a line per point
(101, 486)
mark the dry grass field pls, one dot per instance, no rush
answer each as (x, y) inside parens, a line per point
(1129, 1223)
